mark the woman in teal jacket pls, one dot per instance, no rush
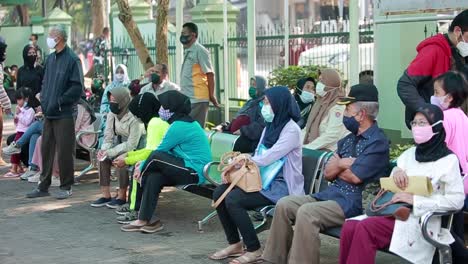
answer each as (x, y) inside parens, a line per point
(178, 160)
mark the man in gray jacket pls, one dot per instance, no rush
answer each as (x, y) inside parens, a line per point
(61, 89)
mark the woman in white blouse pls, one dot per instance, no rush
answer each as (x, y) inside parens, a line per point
(325, 122)
(431, 158)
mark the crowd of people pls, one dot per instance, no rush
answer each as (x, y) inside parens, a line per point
(153, 136)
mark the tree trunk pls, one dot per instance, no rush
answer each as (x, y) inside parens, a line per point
(23, 14)
(125, 16)
(161, 32)
(98, 10)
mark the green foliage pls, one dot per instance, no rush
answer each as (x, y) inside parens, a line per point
(396, 150)
(290, 75)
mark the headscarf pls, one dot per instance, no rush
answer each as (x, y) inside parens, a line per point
(176, 103)
(26, 49)
(435, 148)
(299, 87)
(126, 80)
(122, 97)
(145, 106)
(331, 78)
(261, 83)
(285, 108)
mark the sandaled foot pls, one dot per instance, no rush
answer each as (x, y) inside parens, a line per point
(234, 250)
(248, 257)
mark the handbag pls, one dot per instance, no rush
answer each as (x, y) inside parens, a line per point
(382, 205)
(268, 173)
(239, 170)
(416, 185)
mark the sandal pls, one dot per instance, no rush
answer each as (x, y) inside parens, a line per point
(11, 175)
(248, 257)
(227, 252)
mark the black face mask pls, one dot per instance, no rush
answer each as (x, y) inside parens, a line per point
(185, 39)
(31, 59)
(114, 108)
(155, 78)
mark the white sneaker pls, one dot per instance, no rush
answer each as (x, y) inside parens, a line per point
(29, 173)
(55, 181)
(11, 149)
(35, 178)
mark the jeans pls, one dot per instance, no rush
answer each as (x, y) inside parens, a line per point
(233, 215)
(31, 135)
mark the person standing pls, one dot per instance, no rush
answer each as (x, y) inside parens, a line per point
(436, 55)
(30, 75)
(5, 104)
(61, 90)
(33, 41)
(197, 76)
(159, 81)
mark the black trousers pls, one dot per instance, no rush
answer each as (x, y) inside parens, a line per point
(459, 251)
(162, 169)
(232, 213)
(58, 134)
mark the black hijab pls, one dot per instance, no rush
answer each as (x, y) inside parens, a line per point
(285, 108)
(178, 104)
(145, 106)
(435, 148)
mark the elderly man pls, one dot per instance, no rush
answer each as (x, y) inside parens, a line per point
(61, 89)
(362, 157)
(159, 81)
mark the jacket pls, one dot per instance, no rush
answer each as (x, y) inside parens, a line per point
(30, 76)
(127, 127)
(62, 85)
(415, 85)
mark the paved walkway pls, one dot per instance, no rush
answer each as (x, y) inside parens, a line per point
(45, 231)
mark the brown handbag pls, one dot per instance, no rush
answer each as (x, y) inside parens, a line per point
(239, 170)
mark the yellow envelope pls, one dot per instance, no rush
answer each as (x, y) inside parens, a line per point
(418, 185)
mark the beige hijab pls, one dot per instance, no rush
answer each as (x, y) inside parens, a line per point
(332, 80)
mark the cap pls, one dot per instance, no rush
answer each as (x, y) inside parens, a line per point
(360, 93)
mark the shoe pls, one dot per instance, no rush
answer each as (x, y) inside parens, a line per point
(127, 218)
(35, 178)
(11, 149)
(37, 193)
(11, 174)
(131, 228)
(55, 181)
(63, 194)
(115, 203)
(152, 228)
(29, 173)
(100, 202)
(123, 210)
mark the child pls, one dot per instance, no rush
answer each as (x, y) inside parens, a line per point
(24, 116)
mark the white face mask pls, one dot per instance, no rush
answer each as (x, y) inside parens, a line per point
(462, 47)
(320, 89)
(51, 43)
(307, 97)
(119, 77)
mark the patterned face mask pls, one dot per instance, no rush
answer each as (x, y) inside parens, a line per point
(165, 114)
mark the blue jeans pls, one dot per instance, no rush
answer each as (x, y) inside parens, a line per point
(31, 135)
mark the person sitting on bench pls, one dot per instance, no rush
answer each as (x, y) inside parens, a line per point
(281, 137)
(360, 239)
(362, 157)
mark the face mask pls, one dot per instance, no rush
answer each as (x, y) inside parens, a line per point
(252, 92)
(320, 89)
(31, 59)
(267, 113)
(351, 124)
(185, 39)
(165, 114)
(51, 43)
(114, 108)
(155, 78)
(31, 43)
(440, 102)
(307, 97)
(462, 47)
(423, 134)
(119, 77)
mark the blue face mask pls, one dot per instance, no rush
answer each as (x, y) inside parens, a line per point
(267, 113)
(351, 124)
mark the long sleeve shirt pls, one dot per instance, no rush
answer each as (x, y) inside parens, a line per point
(4, 99)
(25, 117)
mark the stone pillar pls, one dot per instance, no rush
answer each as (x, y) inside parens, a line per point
(58, 16)
(208, 15)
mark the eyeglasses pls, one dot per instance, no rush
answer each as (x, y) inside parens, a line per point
(419, 123)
